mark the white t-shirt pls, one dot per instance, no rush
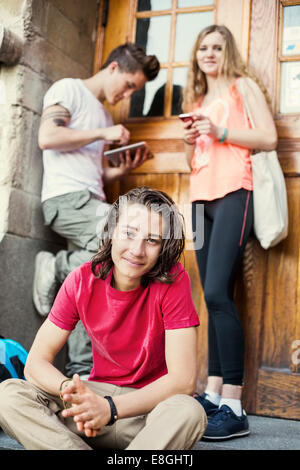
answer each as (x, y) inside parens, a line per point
(66, 172)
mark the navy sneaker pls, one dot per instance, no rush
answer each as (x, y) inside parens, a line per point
(225, 424)
(208, 406)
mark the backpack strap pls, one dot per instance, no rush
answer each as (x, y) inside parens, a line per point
(4, 373)
(18, 365)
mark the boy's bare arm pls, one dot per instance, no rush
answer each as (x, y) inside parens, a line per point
(55, 134)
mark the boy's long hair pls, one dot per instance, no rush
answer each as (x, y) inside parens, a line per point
(232, 66)
(173, 239)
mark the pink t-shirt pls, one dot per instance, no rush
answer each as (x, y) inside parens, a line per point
(127, 329)
(221, 168)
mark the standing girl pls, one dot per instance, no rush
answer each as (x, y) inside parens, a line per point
(218, 144)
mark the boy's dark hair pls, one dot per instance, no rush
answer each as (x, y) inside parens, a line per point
(131, 58)
(173, 239)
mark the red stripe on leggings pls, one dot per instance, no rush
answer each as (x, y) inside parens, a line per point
(245, 217)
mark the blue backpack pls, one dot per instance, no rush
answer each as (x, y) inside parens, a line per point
(12, 359)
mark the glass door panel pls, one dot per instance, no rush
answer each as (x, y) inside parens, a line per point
(194, 3)
(290, 87)
(179, 82)
(291, 31)
(289, 60)
(153, 34)
(170, 35)
(188, 26)
(150, 100)
(152, 5)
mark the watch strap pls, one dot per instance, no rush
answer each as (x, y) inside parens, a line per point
(113, 411)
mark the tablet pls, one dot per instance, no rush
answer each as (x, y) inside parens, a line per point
(114, 155)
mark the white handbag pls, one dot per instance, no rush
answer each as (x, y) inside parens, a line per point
(269, 193)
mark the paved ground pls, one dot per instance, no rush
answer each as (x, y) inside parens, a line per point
(6, 443)
(266, 434)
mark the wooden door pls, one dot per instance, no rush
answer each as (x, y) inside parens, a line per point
(268, 292)
(271, 292)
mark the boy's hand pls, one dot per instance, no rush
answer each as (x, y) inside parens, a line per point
(141, 155)
(89, 411)
(117, 134)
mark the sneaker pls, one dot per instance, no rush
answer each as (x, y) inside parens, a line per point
(225, 424)
(209, 407)
(44, 283)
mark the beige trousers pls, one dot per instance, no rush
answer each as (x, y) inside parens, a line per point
(33, 418)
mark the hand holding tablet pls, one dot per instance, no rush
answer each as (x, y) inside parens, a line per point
(114, 155)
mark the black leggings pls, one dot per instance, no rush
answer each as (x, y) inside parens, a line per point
(227, 224)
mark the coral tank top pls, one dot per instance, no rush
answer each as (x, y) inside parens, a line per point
(219, 169)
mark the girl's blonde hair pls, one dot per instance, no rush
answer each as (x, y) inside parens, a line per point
(232, 66)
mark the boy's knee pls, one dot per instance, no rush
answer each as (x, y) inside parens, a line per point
(5, 399)
(187, 409)
(193, 413)
(8, 393)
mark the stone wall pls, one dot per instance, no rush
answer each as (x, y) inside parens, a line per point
(58, 41)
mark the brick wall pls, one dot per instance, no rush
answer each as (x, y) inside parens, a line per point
(59, 37)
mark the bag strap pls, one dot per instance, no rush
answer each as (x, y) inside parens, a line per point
(248, 115)
(4, 373)
(18, 365)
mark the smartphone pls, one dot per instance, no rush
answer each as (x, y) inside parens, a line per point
(114, 155)
(186, 117)
(190, 117)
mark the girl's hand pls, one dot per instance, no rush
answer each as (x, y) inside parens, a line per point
(206, 126)
(190, 134)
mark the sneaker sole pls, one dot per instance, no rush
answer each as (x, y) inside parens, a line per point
(35, 296)
(223, 438)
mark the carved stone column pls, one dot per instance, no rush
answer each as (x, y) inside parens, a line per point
(10, 47)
